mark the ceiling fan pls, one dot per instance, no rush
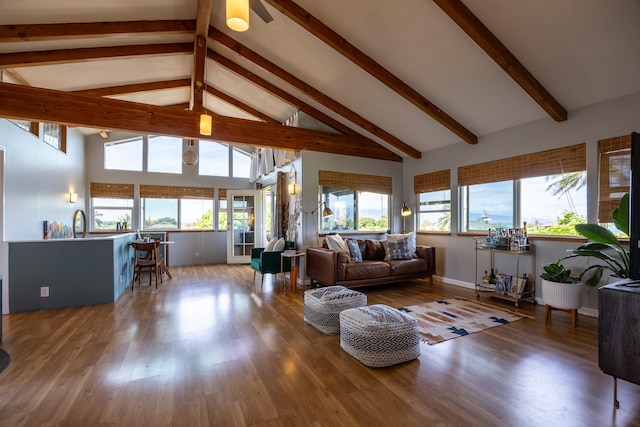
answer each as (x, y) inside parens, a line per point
(260, 10)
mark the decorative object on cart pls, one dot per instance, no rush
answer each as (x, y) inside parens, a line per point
(439, 321)
(560, 291)
(605, 246)
(512, 239)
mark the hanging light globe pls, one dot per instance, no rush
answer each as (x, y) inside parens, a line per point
(190, 157)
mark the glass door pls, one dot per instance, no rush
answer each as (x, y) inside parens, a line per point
(245, 216)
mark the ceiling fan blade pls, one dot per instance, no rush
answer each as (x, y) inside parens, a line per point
(260, 10)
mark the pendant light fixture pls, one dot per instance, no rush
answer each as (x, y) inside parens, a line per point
(205, 119)
(238, 15)
(190, 157)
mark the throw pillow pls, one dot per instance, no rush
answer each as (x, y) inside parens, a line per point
(397, 250)
(279, 246)
(375, 250)
(411, 241)
(270, 245)
(337, 243)
(354, 249)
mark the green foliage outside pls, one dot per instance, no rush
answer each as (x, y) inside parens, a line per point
(204, 223)
(160, 223)
(372, 224)
(564, 226)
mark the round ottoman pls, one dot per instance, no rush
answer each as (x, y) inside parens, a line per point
(379, 335)
(322, 306)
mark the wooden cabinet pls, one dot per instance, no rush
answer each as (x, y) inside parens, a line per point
(619, 331)
(516, 289)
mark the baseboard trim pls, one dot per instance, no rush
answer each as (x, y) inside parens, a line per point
(586, 311)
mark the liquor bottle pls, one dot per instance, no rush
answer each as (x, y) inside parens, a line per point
(485, 278)
(492, 277)
(525, 237)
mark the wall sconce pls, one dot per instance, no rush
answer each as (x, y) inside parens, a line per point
(73, 197)
(238, 15)
(292, 180)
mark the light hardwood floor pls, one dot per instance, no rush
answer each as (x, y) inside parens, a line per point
(210, 348)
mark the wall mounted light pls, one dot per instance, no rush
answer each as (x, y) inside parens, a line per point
(292, 180)
(292, 187)
(238, 15)
(73, 197)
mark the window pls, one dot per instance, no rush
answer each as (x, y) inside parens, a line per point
(433, 193)
(546, 190)
(123, 155)
(111, 203)
(185, 208)
(214, 158)
(615, 175)
(241, 163)
(222, 209)
(358, 202)
(27, 125)
(55, 135)
(164, 154)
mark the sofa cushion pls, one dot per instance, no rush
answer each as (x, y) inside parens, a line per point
(367, 270)
(337, 243)
(408, 266)
(354, 249)
(397, 250)
(411, 240)
(375, 250)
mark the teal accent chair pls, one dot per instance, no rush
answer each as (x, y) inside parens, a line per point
(269, 262)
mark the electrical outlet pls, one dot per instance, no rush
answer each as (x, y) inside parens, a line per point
(44, 291)
(197, 254)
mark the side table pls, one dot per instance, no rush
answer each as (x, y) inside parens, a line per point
(295, 267)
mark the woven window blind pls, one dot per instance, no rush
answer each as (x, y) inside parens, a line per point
(549, 162)
(222, 194)
(615, 171)
(433, 181)
(112, 191)
(168, 192)
(357, 182)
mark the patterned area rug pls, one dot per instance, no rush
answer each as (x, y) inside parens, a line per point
(440, 321)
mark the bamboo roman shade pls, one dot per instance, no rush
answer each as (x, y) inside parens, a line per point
(355, 181)
(222, 194)
(615, 173)
(111, 191)
(550, 162)
(433, 181)
(169, 192)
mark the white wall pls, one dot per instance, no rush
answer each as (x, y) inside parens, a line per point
(37, 182)
(456, 253)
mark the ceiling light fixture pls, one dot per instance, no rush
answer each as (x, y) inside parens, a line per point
(190, 157)
(205, 119)
(238, 15)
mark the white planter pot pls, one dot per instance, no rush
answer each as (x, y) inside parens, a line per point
(565, 296)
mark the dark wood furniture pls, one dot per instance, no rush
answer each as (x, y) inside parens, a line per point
(619, 332)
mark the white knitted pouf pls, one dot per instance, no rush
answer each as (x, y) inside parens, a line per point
(322, 306)
(379, 335)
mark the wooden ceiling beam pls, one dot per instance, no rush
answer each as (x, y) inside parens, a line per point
(279, 93)
(39, 32)
(63, 56)
(136, 87)
(341, 45)
(241, 105)
(66, 108)
(315, 94)
(479, 33)
(198, 83)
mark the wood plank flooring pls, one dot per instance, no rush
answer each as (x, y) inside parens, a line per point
(209, 348)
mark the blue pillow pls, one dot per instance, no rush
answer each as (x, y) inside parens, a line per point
(354, 249)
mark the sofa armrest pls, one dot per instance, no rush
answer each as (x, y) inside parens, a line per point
(428, 253)
(322, 265)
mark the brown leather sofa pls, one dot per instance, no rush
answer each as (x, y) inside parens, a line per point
(330, 267)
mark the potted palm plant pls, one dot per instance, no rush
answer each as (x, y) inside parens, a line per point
(605, 246)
